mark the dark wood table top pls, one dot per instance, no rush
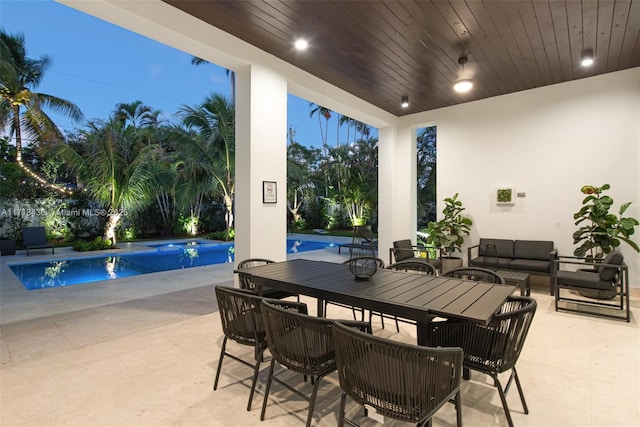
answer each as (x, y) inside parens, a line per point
(411, 296)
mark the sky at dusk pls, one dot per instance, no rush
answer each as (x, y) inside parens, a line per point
(97, 65)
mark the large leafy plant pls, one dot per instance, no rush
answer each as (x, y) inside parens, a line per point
(600, 231)
(448, 234)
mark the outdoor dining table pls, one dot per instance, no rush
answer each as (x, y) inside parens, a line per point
(410, 296)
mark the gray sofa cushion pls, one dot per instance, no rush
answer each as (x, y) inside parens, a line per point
(609, 273)
(531, 265)
(404, 249)
(532, 249)
(504, 247)
(491, 262)
(583, 279)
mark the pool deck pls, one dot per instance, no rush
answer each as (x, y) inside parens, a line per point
(142, 351)
(18, 304)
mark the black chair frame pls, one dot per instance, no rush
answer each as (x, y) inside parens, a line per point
(246, 283)
(36, 238)
(403, 251)
(619, 290)
(239, 311)
(475, 273)
(402, 381)
(494, 348)
(302, 344)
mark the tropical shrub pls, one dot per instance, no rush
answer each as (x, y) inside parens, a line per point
(221, 235)
(97, 244)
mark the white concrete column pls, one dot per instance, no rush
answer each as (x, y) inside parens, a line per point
(397, 189)
(261, 131)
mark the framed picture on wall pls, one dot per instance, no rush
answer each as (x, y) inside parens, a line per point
(505, 195)
(269, 192)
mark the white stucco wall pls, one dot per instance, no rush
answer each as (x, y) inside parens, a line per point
(547, 143)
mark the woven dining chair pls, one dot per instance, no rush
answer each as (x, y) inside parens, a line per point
(302, 344)
(354, 310)
(475, 273)
(414, 266)
(401, 381)
(241, 322)
(494, 348)
(246, 283)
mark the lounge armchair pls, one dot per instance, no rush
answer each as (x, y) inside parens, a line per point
(35, 238)
(404, 250)
(605, 280)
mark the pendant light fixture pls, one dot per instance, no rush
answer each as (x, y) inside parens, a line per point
(462, 84)
(405, 101)
(587, 58)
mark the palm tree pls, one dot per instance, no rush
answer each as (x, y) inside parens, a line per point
(298, 185)
(324, 112)
(115, 168)
(232, 76)
(349, 122)
(136, 114)
(19, 77)
(208, 140)
(357, 171)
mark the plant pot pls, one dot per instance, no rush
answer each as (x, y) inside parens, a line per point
(7, 247)
(596, 294)
(449, 263)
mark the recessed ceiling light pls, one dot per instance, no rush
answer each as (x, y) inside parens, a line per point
(587, 58)
(463, 85)
(405, 102)
(301, 44)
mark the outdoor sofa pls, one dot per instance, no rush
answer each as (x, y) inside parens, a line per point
(527, 256)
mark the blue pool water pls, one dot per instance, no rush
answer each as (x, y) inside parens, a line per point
(166, 256)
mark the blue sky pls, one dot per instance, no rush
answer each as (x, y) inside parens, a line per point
(97, 65)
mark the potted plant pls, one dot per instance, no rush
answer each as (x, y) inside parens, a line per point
(448, 234)
(600, 231)
(7, 246)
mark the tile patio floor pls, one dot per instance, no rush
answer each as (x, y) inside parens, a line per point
(142, 351)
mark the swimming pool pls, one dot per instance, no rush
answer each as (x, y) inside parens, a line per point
(162, 257)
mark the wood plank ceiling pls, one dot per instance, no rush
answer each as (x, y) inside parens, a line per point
(383, 50)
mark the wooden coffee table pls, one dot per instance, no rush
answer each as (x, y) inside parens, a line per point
(517, 278)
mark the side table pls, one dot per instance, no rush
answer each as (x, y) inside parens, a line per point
(517, 278)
